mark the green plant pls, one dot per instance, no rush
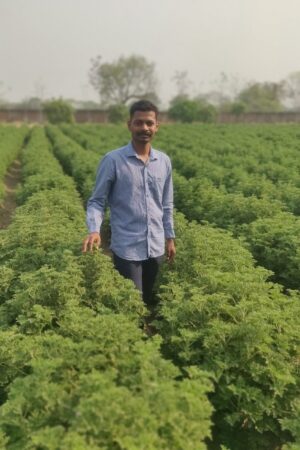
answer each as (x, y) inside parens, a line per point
(58, 111)
(77, 369)
(219, 312)
(117, 113)
(183, 110)
(237, 108)
(186, 110)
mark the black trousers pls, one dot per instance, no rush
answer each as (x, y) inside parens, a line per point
(142, 273)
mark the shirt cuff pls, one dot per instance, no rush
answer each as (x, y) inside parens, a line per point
(169, 234)
(94, 225)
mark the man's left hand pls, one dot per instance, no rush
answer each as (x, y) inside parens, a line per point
(171, 250)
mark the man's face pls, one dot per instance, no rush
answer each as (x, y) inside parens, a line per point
(143, 126)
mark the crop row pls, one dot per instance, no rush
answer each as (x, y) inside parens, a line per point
(11, 141)
(77, 371)
(247, 180)
(271, 232)
(112, 136)
(253, 160)
(226, 153)
(75, 160)
(219, 313)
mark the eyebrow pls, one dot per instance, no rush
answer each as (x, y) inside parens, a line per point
(145, 121)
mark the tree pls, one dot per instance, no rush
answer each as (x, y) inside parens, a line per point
(262, 97)
(291, 90)
(124, 80)
(58, 111)
(31, 103)
(237, 108)
(206, 112)
(117, 113)
(182, 83)
(184, 109)
(233, 107)
(85, 104)
(224, 90)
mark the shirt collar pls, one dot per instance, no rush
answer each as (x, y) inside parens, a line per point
(131, 152)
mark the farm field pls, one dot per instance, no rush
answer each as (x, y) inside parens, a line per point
(222, 371)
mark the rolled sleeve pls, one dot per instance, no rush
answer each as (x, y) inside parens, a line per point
(96, 204)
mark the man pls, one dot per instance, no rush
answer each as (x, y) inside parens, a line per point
(136, 180)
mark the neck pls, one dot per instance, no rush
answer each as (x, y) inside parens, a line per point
(141, 149)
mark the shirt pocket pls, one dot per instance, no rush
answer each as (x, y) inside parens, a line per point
(156, 185)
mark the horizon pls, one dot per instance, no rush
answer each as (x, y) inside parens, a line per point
(53, 43)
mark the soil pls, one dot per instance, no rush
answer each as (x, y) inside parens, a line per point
(8, 206)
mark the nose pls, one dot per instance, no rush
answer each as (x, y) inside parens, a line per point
(144, 126)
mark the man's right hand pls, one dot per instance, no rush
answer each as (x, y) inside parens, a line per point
(93, 240)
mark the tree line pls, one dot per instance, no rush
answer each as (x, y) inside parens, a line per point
(127, 79)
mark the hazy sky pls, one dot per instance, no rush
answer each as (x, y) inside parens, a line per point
(46, 46)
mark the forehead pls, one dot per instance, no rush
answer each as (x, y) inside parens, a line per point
(144, 116)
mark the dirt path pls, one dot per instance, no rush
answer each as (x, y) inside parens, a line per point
(11, 180)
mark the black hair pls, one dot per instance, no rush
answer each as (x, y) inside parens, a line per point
(143, 105)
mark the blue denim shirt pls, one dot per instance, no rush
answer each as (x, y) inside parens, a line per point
(140, 197)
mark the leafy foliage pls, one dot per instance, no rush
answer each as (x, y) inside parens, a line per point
(11, 141)
(185, 110)
(77, 369)
(117, 113)
(77, 366)
(293, 424)
(262, 97)
(75, 161)
(219, 312)
(275, 242)
(58, 111)
(124, 80)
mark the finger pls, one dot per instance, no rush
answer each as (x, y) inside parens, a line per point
(90, 244)
(172, 255)
(84, 245)
(94, 242)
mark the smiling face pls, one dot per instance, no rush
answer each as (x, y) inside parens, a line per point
(143, 126)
